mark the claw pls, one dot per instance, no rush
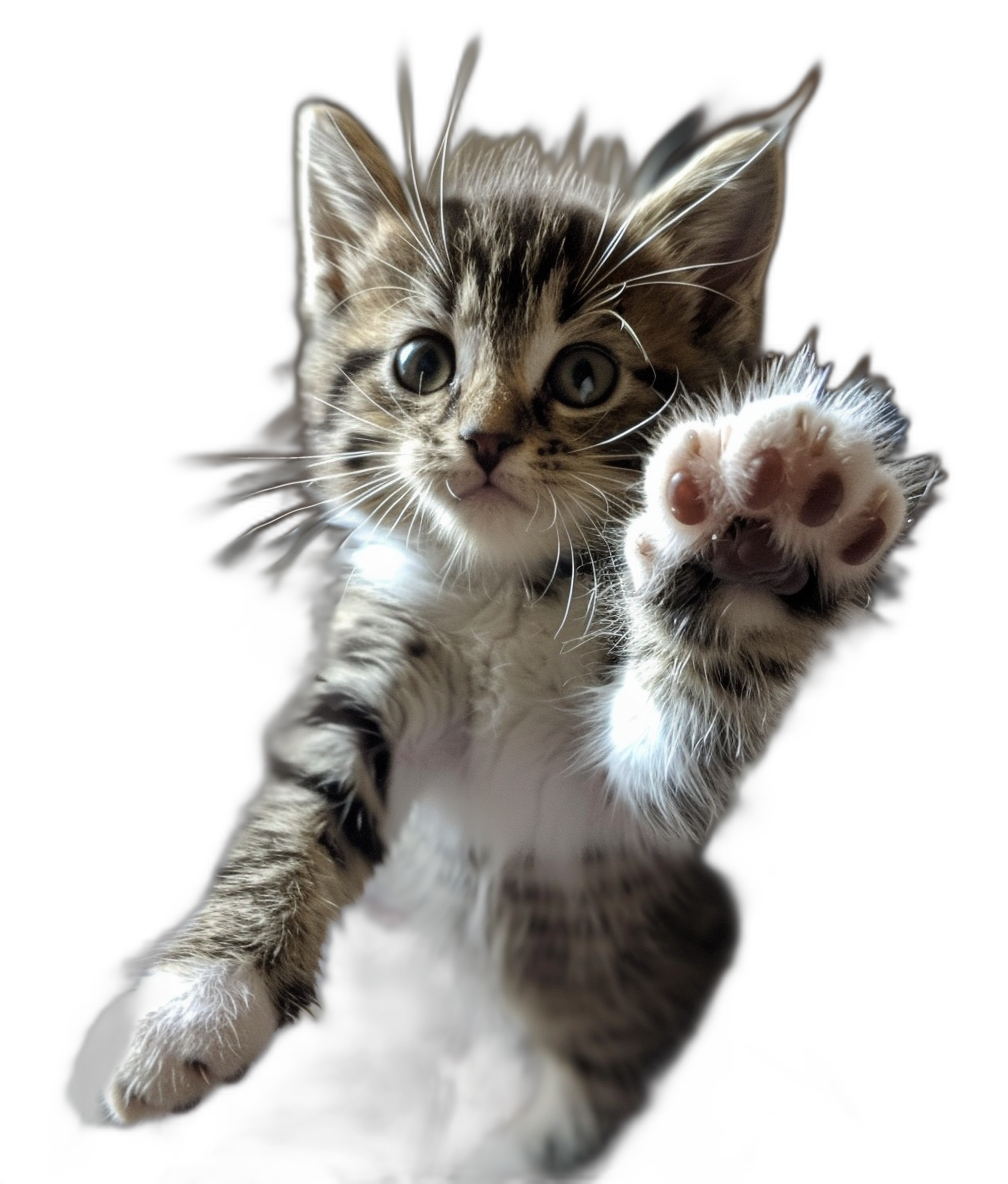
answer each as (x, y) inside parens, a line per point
(818, 445)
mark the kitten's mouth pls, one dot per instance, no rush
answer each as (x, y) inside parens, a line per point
(488, 494)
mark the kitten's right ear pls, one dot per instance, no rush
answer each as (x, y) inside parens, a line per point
(346, 185)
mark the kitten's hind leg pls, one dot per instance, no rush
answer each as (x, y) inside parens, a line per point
(412, 1065)
(410, 1068)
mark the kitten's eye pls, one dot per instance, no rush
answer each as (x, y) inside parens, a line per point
(582, 376)
(425, 364)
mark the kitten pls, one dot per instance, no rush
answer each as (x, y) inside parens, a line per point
(591, 541)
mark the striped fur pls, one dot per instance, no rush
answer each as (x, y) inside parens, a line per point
(535, 654)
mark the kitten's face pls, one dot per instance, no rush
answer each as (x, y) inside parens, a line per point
(483, 368)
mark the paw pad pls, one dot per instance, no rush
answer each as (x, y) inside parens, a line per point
(686, 498)
(823, 500)
(766, 496)
(765, 479)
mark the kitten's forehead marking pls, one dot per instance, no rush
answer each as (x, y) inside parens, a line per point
(518, 355)
(510, 296)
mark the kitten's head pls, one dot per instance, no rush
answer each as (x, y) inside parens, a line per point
(484, 355)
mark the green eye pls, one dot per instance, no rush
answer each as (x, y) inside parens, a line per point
(425, 364)
(582, 376)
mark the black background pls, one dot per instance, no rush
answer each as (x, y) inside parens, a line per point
(168, 330)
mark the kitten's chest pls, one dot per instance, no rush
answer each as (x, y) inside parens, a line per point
(516, 772)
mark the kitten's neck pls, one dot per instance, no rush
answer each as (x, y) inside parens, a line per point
(388, 559)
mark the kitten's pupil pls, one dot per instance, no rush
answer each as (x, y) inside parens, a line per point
(584, 378)
(425, 364)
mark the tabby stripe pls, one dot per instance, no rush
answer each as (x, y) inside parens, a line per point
(291, 999)
(357, 824)
(812, 600)
(340, 710)
(352, 367)
(663, 382)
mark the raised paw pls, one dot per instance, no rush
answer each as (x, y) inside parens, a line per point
(196, 1028)
(767, 496)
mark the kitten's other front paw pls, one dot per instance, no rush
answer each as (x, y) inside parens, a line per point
(767, 496)
(196, 1027)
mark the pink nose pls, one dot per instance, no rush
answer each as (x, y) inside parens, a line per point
(488, 447)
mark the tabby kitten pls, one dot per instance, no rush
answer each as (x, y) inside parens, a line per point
(592, 539)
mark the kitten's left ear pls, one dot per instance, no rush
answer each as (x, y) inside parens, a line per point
(715, 221)
(345, 186)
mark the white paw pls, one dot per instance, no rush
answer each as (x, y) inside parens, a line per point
(766, 495)
(195, 1028)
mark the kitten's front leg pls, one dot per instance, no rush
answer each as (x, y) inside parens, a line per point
(762, 525)
(247, 961)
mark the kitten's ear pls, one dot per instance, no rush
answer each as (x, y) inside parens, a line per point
(716, 219)
(345, 186)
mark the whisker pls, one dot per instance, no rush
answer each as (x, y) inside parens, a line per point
(627, 327)
(357, 387)
(395, 502)
(556, 565)
(359, 454)
(573, 580)
(412, 498)
(607, 253)
(532, 516)
(450, 566)
(369, 522)
(685, 284)
(601, 494)
(601, 294)
(414, 279)
(636, 427)
(259, 491)
(662, 227)
(349, 414)
(461, 81)
(364, 291)
(414, 198)
(677, 217)
(417, 518)
(300, 537)
(605, 218)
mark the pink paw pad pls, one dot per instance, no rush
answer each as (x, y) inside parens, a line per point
(766, 477)
(686, 498)
(823, 500)
(867, 542)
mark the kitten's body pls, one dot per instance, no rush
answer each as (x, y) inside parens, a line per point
(542, 675)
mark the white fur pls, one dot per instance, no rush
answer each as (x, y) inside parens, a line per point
(512, 773)
(193, 1029)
